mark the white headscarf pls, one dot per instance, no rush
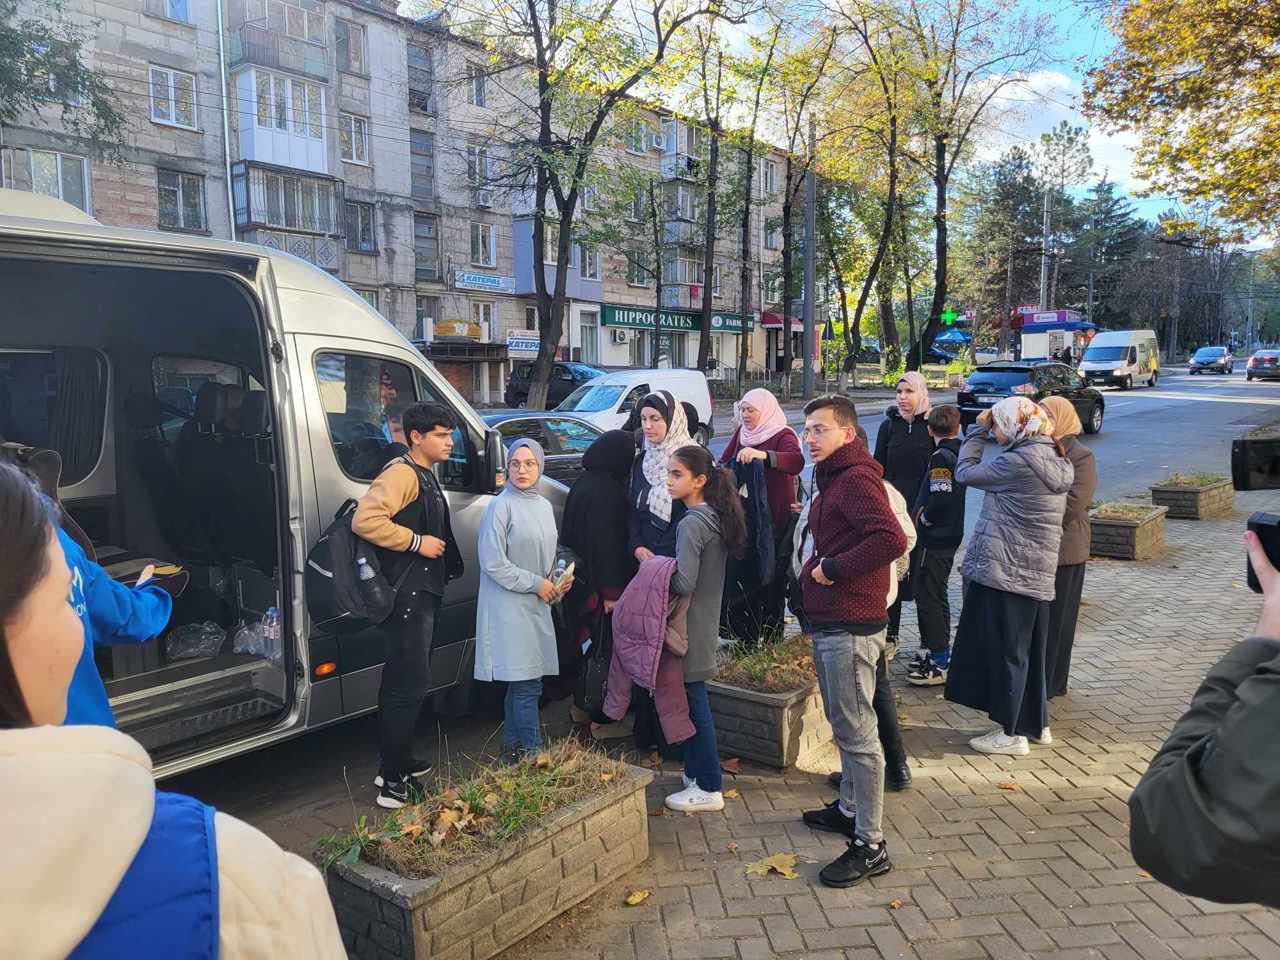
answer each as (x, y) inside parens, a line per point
(1021, 417)
(657, 456)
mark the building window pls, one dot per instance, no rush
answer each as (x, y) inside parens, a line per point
(769, 176)
(349, 46)
(368, 296)
(422, 164)
(588, 332)
(638, 137)
(715, 281)
(637, 272)
(360, 235)
(181, 200)
(173, 98)
(422, 85)
(772, 236)
(61, 175)
(550, 243)
(773, 288)
(426, 246)
(482, 317)
(425, 320)
(172, 9)
(484, 251)
(531, 318)
(684, 270)
(589, 259)
(590, 198)
(477, 165)
(639, 203)
(353, 136)
(270, 198)
(292, 20)
(277, 94)
(475, 85)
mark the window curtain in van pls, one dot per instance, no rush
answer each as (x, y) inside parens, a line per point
(79, 410)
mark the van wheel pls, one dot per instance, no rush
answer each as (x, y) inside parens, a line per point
(1128, 383)
(700, 436)
(1155, 376)
(1095, 420)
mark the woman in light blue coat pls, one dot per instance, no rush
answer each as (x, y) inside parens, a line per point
(515, 638)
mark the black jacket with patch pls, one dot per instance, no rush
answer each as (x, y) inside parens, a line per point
(939, 508)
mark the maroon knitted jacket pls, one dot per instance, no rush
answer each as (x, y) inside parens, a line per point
(856, 537)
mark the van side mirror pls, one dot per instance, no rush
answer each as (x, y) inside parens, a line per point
(495, 462)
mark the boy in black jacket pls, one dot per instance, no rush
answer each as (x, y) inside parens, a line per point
(939, 518)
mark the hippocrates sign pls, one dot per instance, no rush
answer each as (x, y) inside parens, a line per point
(640, 318)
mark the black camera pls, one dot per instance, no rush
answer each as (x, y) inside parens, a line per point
(1255, 465)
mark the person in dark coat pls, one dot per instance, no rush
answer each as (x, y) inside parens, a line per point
(903, 449)
(1205, 818)
(1074, 552)
(596, 527)
(763, 436)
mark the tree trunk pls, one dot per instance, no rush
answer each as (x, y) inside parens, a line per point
(940, 183)
(657, 220)
(709, 248)
(550, 302)
(890, 345)
(788, 291)
(1006, 322)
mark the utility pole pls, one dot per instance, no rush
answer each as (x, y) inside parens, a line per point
(810, 250)
(1176, 306)
(1044, 252)
(1249, 335)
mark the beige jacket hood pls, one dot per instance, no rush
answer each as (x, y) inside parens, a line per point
(76, 804)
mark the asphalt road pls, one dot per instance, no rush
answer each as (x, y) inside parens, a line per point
(317, 783)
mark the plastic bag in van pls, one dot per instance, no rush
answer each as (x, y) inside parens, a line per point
(193, 640)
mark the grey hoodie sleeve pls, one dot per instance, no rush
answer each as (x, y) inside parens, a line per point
(691, 540)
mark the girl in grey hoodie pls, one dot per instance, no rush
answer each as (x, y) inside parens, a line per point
(713, 527)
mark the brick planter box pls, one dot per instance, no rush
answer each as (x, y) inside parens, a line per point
(480, 907)
(775, 729)
(1217, 499)
(1140, 539)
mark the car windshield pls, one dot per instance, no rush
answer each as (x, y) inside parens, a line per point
(998, 379)
(582, 372)
(1210, 353)
(591, 398)
(1105, 353)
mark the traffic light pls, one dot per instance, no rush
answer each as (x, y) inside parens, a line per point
(948, 317)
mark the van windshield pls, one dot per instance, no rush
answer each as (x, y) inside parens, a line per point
(1105, 354)
(591, 398)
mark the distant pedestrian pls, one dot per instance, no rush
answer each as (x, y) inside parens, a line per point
(763, 435)
(712, 529)
(515, 636)
(99, 863)
(903, 449)
(1074, 551)
(998, 662)
(939, 519)
(856, 539)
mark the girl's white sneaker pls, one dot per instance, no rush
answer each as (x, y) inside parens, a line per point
(695, 800)
(997, 741)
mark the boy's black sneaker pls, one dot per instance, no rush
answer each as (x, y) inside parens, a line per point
(920, 659)
(927, 674)
(396, 793)
(831, 818)
(857, 863)
(418, 768)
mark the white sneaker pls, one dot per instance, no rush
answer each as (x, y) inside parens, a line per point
(688, 781)
(1045, 738)
(695, 800)
(998, 742)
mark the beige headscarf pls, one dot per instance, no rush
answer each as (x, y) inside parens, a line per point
(1066, 422)
(921, 387)
(1020, 418)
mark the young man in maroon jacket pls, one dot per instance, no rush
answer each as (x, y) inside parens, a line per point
(856, 537)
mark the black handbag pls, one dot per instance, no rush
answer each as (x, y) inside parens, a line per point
(594, 675)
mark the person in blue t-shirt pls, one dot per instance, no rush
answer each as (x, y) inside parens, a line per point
(111, 613)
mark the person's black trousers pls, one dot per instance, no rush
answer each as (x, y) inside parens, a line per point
(933, 608)
(906, 591)
(887, 717)
(406, 676)
(1064, 613)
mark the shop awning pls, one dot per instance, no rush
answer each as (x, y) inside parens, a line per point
(774, 321)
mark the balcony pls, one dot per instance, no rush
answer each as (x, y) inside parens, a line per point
(684, 233)
(272, 197)
(681, 166)
(254, 42)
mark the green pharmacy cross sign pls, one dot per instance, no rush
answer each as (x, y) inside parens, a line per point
(948, 317)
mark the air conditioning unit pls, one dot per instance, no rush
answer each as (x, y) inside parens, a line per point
(618, 336)
(484, 198)
(657, 142)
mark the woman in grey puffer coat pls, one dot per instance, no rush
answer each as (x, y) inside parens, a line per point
(998, 664)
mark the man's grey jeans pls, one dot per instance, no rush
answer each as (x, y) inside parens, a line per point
(847, 678)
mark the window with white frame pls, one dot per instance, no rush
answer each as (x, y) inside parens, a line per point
(551, 243)
(589, 261)
(426, 246)
(368, 296)
(639, 205)
(61, 175)
(308, 109)
(716, 289)
(590, 198)
(349, 46)
(638, 137)
(291, 19)
(173, 97)
(42, 77)
(294, 203)
(422, 164)
(181, 200)
(684, 207)
(353, 137)
(173, 9)
(360, 236)
(428, 311)
(685, 270)
(769, 176)
(637, 272)
(284, 102)
(772, 235)
(482, 316)
(475, 84)
(773, 288)
(477, 164)
(484, 247)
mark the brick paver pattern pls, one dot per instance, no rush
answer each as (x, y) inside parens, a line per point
(999, 857)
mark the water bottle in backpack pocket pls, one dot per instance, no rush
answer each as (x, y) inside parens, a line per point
(346, 591)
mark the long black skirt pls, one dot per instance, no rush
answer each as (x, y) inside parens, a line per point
(1063, 615)
(997, 664)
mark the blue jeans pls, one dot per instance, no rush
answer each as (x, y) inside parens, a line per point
(701, 757)
(520, 717)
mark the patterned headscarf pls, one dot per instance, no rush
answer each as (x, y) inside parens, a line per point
(1066, 422)
(657, 456)
(921, 387)
(1020, 418)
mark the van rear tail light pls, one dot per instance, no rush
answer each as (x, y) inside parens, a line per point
(326, 668)
(1023, 388)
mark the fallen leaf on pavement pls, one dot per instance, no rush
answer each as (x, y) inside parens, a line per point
(1143, 873)
(411, 830)
(731, 794)
(896, 904)
(658, 812)
(780, 863)
(1008, 785)
(447, 819)
(606, 777)
(733, 765)
(732, 846)
(637, 897)
(543, 761)
(654, 760)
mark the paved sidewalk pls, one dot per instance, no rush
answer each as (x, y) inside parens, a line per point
(993, 857)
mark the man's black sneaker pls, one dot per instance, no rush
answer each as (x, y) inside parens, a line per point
(418, 768)
(857, 863)
(897, 776)
(920, 659)
(831, 819)
(396, 793)
(927, 674)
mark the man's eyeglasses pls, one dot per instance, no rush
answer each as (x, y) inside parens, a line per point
(817, 433)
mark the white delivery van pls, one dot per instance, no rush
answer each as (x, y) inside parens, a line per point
(609, 401)
(1122, 358)
(213, 404)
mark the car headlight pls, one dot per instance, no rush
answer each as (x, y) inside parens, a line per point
(1117, 373)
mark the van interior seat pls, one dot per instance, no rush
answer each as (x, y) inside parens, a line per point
(249, 530)
(154, 458)
(200, 460)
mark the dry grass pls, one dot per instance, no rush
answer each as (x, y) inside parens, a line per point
(1118, 510)
(779, 667)
(495, 804)
(1192, 479)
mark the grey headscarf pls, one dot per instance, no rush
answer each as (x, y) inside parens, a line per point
(541, 457)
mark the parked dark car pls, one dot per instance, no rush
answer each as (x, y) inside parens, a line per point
(564, 439)
(1263, 365)
(989, 385)
(1212, 360)
(565, 378)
